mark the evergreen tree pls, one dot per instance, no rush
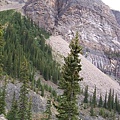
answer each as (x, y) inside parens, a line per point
(92, 111)
(29, 111)
(67, 107)
(116, 103)
(23, 100)
(86, 95)
(105, 101)
(48, 110)
(100, 101)
(94, 102)
(42, 90)
(112, 102)
(1, 51)
(109, 102)
(2, 99)
(13, 113)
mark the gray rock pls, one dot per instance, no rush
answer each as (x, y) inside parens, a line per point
(38, 102)
(2, 117)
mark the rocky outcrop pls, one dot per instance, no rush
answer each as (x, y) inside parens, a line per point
(38, 102)
(2, 117)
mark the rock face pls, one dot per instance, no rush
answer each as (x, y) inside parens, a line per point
(96, 23)
(38, 102)
(2, 117)
(117, 15)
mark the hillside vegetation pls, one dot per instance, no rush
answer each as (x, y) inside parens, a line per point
(25, 56)
(24, 39)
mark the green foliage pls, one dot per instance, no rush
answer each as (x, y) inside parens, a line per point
(102, 112)
(13, 113)
(54, 93)
(116, 103)
(24, 39)
(67, 107)
(46, 87)
(2, 100)
(29, 110)
(23, 100)
(86, 95)
(109, 102)
(48, 110)
(112, 101)
(42, 91)
(100, 101)
(5, 16)
(94, 102)
(105, 101)
(2, 42)
(92, 111)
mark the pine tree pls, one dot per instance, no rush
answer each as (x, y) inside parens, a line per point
(94, 102)
(105, 101)
(116, 103)
(86, 95)
(109, 102)
(23, 100)
(92, 111)
(112, 102)
(48, 110)
(2, 99)
(42, 90)
(67, 107)
(29, 110)
(13, 113)
(1, 51)
(100, 101)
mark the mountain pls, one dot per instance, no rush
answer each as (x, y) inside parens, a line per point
(97, 25)
(98, 29)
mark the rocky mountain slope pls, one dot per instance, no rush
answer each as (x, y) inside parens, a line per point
(92, 75)
(97, 25)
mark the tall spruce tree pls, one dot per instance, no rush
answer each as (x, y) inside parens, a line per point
(13, 113)
(86, 95)
(67, 107)
(94, 102)
(1, 51)
(29, 110)
(113, 102)
(100, 101)
(116, 102)
(105, 101)
(2, 99)
(109, 102)
(48, 110)
(23, 100)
